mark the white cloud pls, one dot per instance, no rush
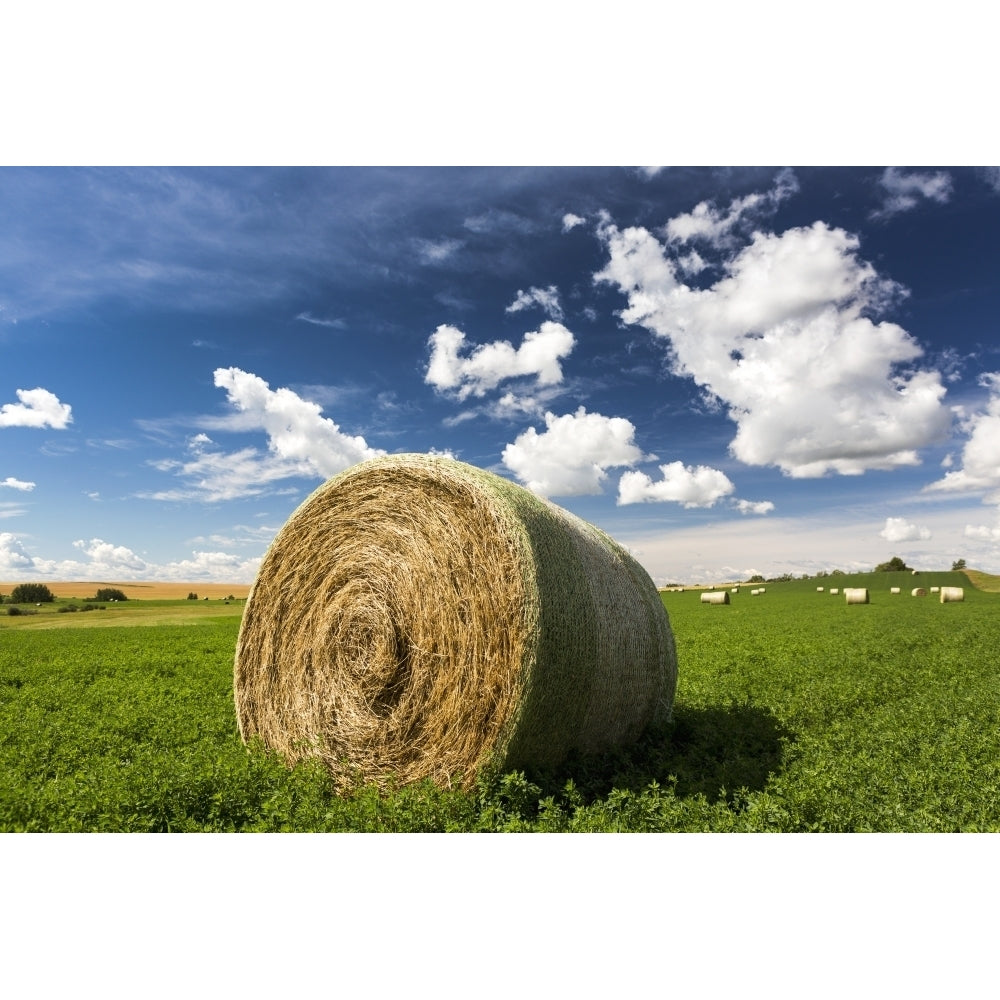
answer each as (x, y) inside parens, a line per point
(38, 408)
(706, 222)
(106, 557)
(692, 486)
(546, 298)
(107, 561)
(14, 557)
(436, 251)
(983, 533)
(17, 484)
(301, 443)
(334, 324)
(904, 191)
(980, 468)
(571, 221)
(784, 340)
(753, 506)
(572, 455)
(490, 364)
(898, 529)
(296, 430)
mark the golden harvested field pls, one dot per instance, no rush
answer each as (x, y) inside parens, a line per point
(143, 590)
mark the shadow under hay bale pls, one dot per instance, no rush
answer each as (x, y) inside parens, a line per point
(421, 618)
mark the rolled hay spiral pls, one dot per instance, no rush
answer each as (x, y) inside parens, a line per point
(417, 617)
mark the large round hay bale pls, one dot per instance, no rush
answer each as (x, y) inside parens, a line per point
(918, 592)
(417, 617)
(715, 597)
(951, 594)
(856, 595)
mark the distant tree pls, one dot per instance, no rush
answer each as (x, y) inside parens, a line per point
(958, 564)
(756, 578)
(31, 593)
(109, 594)
(894, 565)
(192, 596)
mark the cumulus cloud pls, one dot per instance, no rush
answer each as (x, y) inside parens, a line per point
(17, 484)
(105, 556)
(715, 226)
(691, 486)
(571, 221)
(904, 191)
(785, 340)
(105, 560)
(572, 455)
(14, 557)
(301, 443)
(980, 468)
(38, 408)
(898, 529)
(983, 533)
(487, 365)
(296, 430)
(546, 298)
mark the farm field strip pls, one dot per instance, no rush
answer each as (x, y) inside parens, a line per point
(795, 712)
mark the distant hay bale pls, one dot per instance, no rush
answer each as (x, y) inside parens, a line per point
(420, 618)
(835, 590)
(951, 594)
(819, 590)
(715, 597)
(857, 595)
(894, 590)
(918, 592)
(935, 590)
(735, 590)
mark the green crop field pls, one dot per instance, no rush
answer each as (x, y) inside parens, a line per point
(795, 712)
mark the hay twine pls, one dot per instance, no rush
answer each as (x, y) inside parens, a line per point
(420, 618)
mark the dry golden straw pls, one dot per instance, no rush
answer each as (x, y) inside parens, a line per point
(418, 617)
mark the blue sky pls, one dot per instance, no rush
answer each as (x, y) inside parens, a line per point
(732, 371)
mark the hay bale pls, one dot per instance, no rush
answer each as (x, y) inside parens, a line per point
(951, 594)
(417, 617)
(856, 595)
(715, 597)
(918, 592)
(819, 590)
(835, 590)
(935, 590)
(894, 590)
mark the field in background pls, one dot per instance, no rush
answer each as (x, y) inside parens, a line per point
(794, 712)
(141, 591)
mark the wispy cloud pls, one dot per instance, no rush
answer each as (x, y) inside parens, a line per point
(546, 299)
(436, 251)
(904, 191)
(301, 443)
